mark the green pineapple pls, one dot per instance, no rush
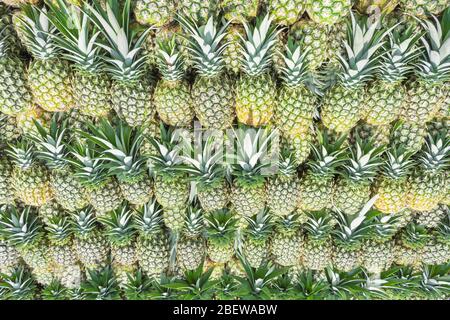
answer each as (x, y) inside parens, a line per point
(286, 12)
(437, 249)
(155, 12)
(287, 242)
(207, 171)
(328, 12)
(423, 8)
(9, 256)
(30, 180)
(248, 194)
(199, 10)
(52, 150)
(76, 38)
(172, 96)
(316, 185)
(91, 245)
(15, 94)
(409, 135)
(409, 245)
(428, 181)
(171, 185)
(120, 149)
(60, 236)
(25, 120)
(152, 244)
(380, 135)
(297, 102)
(8, 129)
(387, 95)
(353, 190)
(6, 192)
(392, 186)
(317, 249)
(119, 228)
(239, 11)
(433, 218)
(343, 104)
(426, 93)
(103, 191)
(220, 232)
(212, 91)
(255, 240)
(283, 189)
(231, 54)
(131, 90)
(49, 77)
(376, 6)
(190, 247)
(255, 89)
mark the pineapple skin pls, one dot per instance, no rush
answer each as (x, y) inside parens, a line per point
(190, 253)
(137, 192)
(328, 12)
(154, 12)
(171, 193)
(32, 186)
(377, 256)
(282, 195)
(239, 11)
(220, 253)
(214, 198)
(316, 255)
(384, 102)
(92, 94)
(392, 195)
(6, 192)
(426, 191)
(153, 254)
(345, 259)
(316, 193)
(231, 53)
(92, 251)
(68, 191)
(286, 249)
(105, 197)
(255, 252)
(350, 197)
(286, 12)
(248, 201)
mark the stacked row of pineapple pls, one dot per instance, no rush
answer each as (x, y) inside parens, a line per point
(103, 177)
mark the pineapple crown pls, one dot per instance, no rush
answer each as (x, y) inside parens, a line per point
(352, 229)
(289, 224)
(287, 164)
(20, 227)
(84, 222)
(383, 227)
(18, 285)
(88, 165)
(119, 147)
(435, 154)
(434, 65)
(205, 165)
(59, 229)
(296, 69)
(362, 52)
(124, 62)
(259, 226)
(51, 145)
(101, 285)
(221, 227)
(119, 226)
(76, 36)
(443, 229)
(4, 41)
(414, 236)
(318, 226)
(363, 161)
(193, 222)
(148, 219)
(401, 51)
(22, 154)
(170, 60)
(168, 161)
(38, 32)
(258, 49)
(250, 158)
(327, 155)
(206, 45)
(398, 163)
(55, 291)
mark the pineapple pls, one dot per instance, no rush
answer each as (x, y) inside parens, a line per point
(190, 247)
(255, 241)
(52, 150)
(172, 96)
(409, 245)
(248, 194)
(25, 120)
(15, 94)
(131, 90)
(239, 11)
(8, 129)
(437, 249)
(343, 104)
(316, 185)
(49, 211)
(120, 149)
(376, 6)
(317, 249)
(235, 33)
(49, 77)
(296, 103)
(60, 236)
(221, 232)
(286, 12)
(283, 190)
(9, 257)
(171, 186)
(387, 95)
(6, 192)
(428, 181)
(423, 8)
(255, 90)
(30, 180)
(212, 91)
(103, 192)
(199, 10)
(91, 245)
(155, 12)
(300, 145)
(286, 243)
(152, 244)
(120, 231)
(392, 186)
(76, 38)
(433, 218)
(352, 191)
(409, 135)
(328, 12)
(426, 93)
